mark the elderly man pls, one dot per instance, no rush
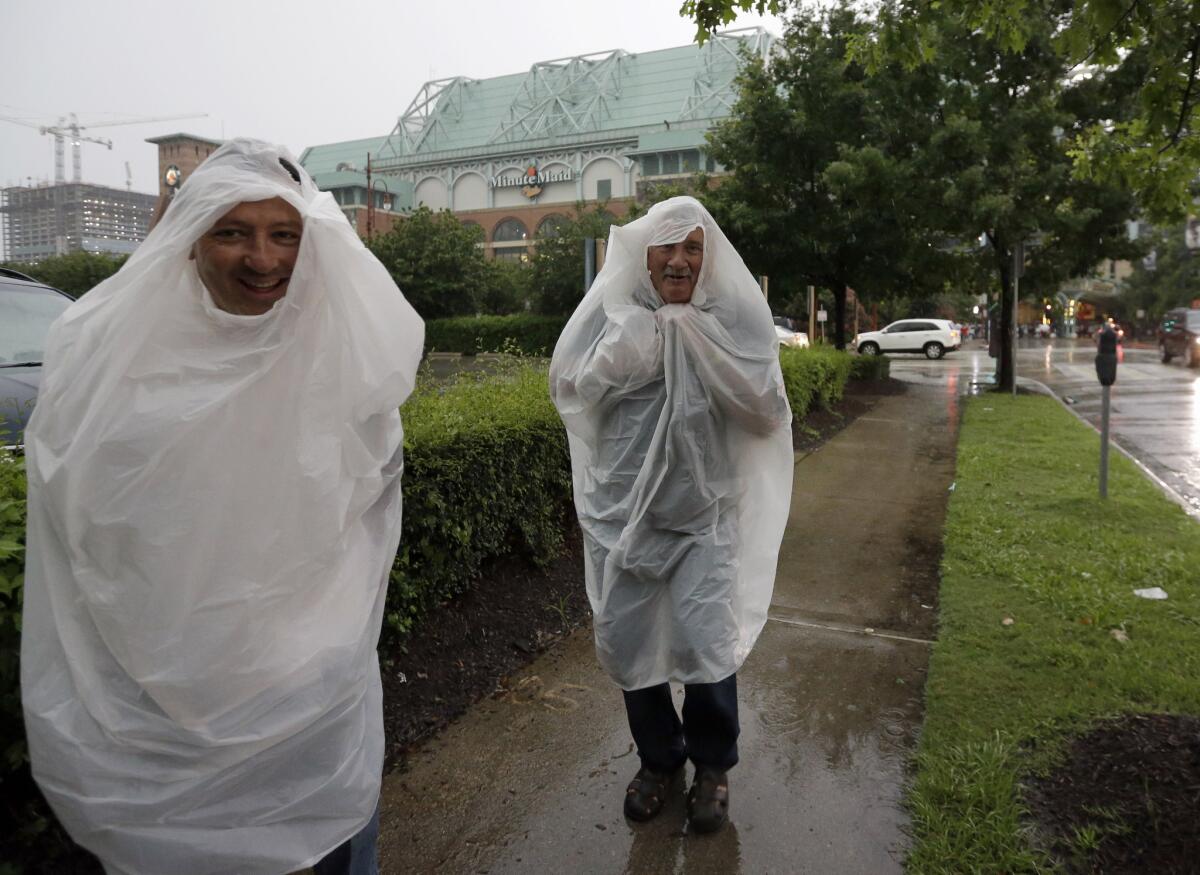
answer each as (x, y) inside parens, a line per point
(667, 377)
(214, 505)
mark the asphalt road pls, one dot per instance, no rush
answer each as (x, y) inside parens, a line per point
(1154, 408)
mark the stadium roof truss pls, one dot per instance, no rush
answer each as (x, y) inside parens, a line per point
(564, 96)
(720, 61)
(422, 125)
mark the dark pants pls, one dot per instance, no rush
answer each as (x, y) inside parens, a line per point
(707, 734)
(358, 855)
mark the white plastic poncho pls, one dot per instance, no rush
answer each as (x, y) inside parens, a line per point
(214, 506)
(681, 453)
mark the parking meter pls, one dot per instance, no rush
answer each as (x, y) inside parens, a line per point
(1106, 370)
(1106, 357)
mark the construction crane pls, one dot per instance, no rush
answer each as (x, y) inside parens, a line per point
(69, 126)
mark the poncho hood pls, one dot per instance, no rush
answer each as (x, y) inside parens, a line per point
(214, 506)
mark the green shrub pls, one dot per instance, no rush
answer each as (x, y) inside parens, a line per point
(12, 550)
(487, 473)
(870, 367)
(814, 376)
(530, 335)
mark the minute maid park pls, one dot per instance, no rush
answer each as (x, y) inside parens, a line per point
(514, 154)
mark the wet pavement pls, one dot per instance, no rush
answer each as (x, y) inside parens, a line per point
(533, 780)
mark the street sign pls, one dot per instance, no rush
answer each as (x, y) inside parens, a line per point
(822, 316)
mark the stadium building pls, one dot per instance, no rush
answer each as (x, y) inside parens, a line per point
(515, 154)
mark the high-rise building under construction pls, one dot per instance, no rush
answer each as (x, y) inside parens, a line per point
(42, 221)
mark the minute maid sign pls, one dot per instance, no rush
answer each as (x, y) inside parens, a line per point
(531, 181)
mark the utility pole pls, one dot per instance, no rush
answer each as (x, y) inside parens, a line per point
(370, 204)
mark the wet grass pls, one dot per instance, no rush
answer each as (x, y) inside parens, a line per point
(1040, 634)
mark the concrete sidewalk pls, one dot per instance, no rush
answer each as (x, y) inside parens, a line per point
(534, 781)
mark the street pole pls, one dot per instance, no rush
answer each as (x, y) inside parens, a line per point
(1018, 267)
(812, 314)
(1104, 392)
(589, 262)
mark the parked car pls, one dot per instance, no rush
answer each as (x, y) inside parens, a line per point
(933, 337)
(1179, 335)
(787, 337)
(27, 309)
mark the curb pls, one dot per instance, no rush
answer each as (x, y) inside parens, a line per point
(1166, 488)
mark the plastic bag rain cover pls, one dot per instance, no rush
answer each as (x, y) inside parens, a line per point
(680, 437)
(214, 506)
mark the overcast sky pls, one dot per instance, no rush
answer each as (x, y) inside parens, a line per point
(301, 73)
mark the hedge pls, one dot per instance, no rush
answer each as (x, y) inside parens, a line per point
(816, 375)
(487, 473)
(14, 783)
(524, 334)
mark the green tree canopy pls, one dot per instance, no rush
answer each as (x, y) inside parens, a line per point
(436, 261)
(1169, 278)
(999, 159)
(1152, 149)
(823, 188)
(558, 265)
(885, 180)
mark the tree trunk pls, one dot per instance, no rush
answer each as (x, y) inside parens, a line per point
(839, 314)
(1005, 366)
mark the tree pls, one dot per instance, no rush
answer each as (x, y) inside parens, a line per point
(884, 180)
(822, 189)
(507, 289)
(999, 161)
(558, 265)
(1174, 280)
(1153, 150)
(75, 273)
(436, 261)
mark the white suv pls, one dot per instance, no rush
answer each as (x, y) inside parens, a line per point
(934, 337)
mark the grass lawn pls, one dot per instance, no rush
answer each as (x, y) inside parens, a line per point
(1040, 633)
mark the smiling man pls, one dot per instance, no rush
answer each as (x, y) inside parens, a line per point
(675, 267)
(246, 259)
(214, 506)
(667, 377)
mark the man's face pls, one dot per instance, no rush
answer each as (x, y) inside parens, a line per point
(246, 259)
(675, 267)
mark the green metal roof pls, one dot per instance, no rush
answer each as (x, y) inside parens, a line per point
(351, 154)
(582, 99)
(665, 141)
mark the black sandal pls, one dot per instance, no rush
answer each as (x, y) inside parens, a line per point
(647, 793)
(708, 800)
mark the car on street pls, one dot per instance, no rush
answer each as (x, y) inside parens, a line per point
(933, 337)
(1179, 335)
(787, 337)
(27, 310)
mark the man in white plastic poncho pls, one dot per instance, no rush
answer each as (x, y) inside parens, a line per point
(214, 504)
(668, 380)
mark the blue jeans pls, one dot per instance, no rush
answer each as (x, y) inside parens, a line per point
(358, 855)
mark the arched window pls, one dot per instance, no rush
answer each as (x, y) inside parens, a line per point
(551, 226)
(510, 231)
